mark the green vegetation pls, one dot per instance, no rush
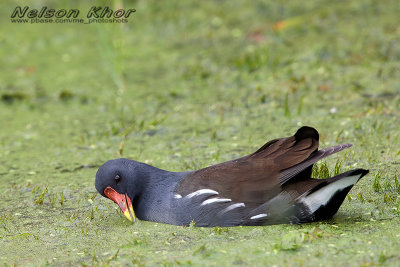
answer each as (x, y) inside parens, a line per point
(184, 85)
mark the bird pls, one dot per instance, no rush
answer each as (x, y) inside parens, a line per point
(273, 185)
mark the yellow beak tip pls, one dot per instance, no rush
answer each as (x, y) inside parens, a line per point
(129, 217)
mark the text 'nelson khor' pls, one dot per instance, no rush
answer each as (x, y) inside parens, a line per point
(94, 12)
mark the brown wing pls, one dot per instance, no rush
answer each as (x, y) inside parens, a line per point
(254, 179)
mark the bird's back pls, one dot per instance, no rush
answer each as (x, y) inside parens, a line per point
(271, 185)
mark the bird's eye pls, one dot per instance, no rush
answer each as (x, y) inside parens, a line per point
(117, 178)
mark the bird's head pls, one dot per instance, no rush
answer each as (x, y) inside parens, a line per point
(115, 180)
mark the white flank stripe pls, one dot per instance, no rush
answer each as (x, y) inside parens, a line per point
(202, 192)
(177, 196)
(259, 216)
(323, 195)
(215, 200)
(233, 206)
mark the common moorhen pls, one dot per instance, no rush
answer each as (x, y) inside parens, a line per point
(270, 186)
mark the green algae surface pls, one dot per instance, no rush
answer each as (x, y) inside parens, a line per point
(184, 85)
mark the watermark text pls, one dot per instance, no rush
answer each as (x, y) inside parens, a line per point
(96, 14)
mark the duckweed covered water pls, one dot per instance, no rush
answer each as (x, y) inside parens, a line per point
(182, 86)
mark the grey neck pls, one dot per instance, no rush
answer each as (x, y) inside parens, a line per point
(157, 191)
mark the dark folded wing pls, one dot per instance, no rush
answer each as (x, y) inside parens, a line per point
(254, 179)
(289, 173)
